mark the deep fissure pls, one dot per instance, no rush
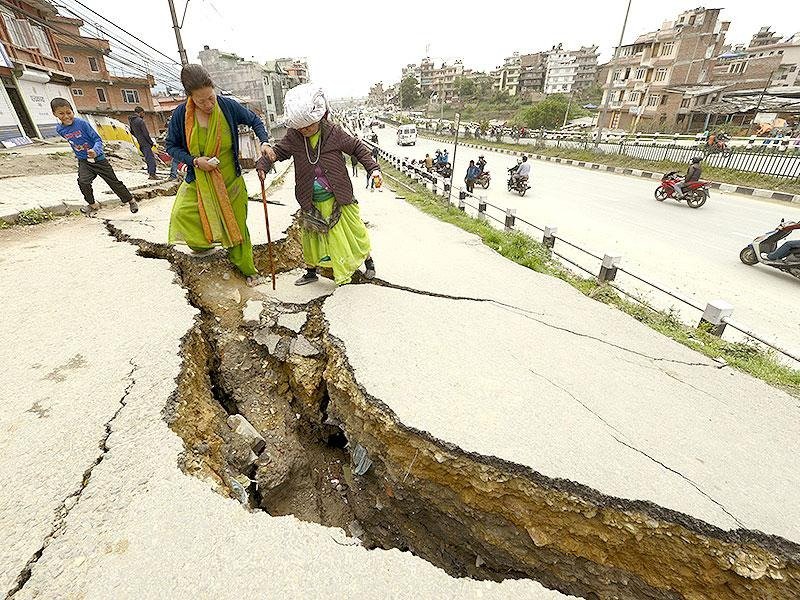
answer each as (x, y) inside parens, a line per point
(470, 515)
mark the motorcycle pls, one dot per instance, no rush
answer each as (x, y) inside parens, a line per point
(695, 194)
(443, 169)
(517, 185)
(483, 179)
(717, 146)
(756, 251)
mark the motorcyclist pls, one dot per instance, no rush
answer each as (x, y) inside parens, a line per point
(522, 172)
(786, 248)
(481, 164)
(445, 157)
(438, 158)
(692, 174)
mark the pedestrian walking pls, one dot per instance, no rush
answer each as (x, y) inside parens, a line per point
(88, 149)
(333, 234)
(472, 174)
(354, 164)
(139, 131)
(211, 206)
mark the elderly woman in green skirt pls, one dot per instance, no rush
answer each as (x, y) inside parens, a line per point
(211, 206)
(333, 234)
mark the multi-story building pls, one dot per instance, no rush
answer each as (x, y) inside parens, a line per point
(562, 69)
(444, 80)
(261, 85)
(95, 90)
(296, 70)
(767, 60)
(506, 77)
(586, 58)
(647, 79)
(440, 81)
(31, 70)
(555, 71)
(533, 71)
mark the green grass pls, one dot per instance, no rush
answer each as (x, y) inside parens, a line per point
(528, 252)
(731, 176)
(34, 216)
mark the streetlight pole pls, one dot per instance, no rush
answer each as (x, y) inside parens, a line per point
(455, 149)
(177, 28)
(604, 110)
(566, 114)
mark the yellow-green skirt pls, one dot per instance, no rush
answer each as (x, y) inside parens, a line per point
(344, 248)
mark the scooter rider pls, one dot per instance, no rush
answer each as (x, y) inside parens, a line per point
(692, 174)
(523, 171)
(786, 248)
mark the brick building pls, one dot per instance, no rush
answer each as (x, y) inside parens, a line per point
(647, 79)
(767, 59)
(31, 70)
(532, 74)
(95, 90)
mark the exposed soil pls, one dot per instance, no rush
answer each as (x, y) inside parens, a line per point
(335, 455)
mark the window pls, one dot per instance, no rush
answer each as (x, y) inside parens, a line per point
(685, 102)
(653, 100)
(93, 65)
(41, 41)
(616, 76)
(661, 75)
(77, 92)
(130, 96)
(69, 60)
(640, 74)
(736, 68)
(666, 48)
(635, 96)
(269, 100)
(101, 95)
(29, 40)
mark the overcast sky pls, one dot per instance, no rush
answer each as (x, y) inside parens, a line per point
(353, 45)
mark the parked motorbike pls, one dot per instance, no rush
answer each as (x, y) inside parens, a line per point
(718, 146)
(483, 179)
(695, 194)
(517, 185)
(756, 252)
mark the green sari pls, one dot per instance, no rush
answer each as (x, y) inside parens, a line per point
(212, 210)
(346, 245)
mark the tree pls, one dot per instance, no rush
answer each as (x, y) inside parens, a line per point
(465, 88)
(549, 113)
(590, 95)
(409, 91)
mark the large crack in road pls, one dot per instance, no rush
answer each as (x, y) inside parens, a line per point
(325, 450)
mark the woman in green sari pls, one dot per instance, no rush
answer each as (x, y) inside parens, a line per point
(211, 206)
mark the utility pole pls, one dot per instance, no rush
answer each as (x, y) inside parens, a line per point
(604, 110)
(455, 149)
(177, 28)
(569, 105)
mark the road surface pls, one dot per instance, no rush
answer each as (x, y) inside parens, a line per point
(695, 252)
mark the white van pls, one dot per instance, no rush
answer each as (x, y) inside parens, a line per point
(407, 135)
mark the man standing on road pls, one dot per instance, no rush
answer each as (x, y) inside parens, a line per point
(692, 174)
(472, 174)
(139, 131)
(428, 163)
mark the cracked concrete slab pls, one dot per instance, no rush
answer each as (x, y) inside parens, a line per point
(85, 309)
(693, 439)
(288, 293)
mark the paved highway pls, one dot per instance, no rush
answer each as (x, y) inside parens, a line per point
(693, 251)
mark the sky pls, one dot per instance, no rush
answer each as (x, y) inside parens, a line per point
(353, 45)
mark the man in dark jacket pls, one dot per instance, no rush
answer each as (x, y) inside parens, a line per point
(139, 131)
(692, 174)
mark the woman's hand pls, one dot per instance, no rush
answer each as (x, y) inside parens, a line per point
(267, 151)
(379, 180)
(203, 164)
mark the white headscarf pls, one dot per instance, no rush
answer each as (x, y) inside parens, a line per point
(304, 105)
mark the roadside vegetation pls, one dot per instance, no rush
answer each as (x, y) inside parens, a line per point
(530, 253)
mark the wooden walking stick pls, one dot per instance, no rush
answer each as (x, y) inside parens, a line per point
(262, 174)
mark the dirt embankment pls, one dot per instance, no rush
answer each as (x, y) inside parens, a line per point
(60, 161)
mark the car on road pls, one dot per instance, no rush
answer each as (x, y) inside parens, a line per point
(407, 135)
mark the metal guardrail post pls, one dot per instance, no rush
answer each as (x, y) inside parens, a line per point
(462, 196)
(549, 239)
(482, 207)
(608, 269)
(446, 192)
(510, 218)
(714, 316)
